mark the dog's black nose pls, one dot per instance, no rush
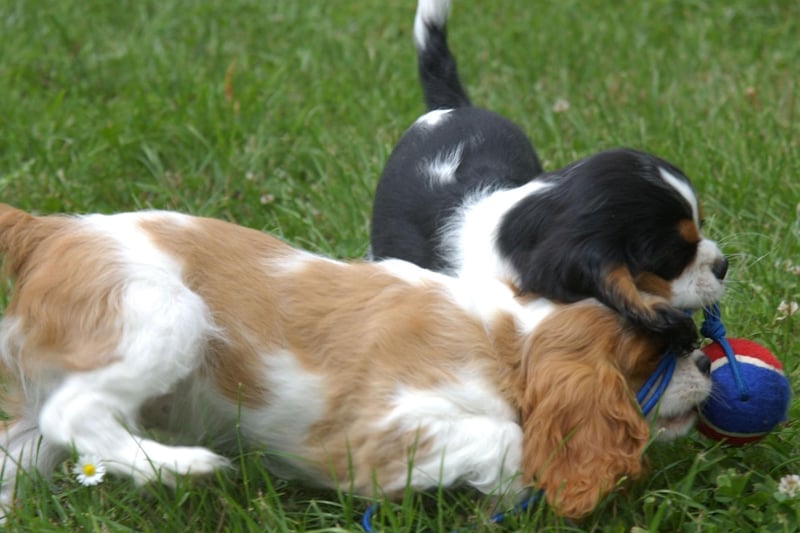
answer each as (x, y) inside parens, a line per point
(704, 365)
(720, 268)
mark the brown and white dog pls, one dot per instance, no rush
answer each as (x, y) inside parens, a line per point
(340, 372)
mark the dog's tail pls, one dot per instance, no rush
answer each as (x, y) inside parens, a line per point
(20, 235)
(437, 66)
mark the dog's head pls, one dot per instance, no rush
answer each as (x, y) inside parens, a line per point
(612, 221)
(583, 431)
(658, 212)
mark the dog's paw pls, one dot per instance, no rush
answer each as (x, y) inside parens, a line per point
(196, 461)
(166, 463)
(675, 327)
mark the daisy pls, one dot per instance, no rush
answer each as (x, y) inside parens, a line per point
(89, 470)
(786, 309)
(560, 106)
(790, 485)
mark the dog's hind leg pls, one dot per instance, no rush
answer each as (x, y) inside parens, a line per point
(23, 449)
(165, 330)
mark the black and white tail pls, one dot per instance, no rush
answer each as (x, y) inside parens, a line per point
(437, 66)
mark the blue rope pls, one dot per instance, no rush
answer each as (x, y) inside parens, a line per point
(661, 378)
(713, 329)
(519, 508)
(366, 518)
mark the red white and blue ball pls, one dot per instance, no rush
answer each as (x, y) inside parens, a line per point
(732, 418)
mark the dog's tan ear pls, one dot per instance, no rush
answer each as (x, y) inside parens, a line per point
(583, 432)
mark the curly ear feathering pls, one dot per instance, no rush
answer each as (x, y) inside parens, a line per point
(583, 431)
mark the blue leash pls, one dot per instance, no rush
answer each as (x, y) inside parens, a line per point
(366, 518)
(519, 508)
(647, 397)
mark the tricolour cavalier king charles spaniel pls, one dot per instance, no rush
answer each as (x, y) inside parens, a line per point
(463, 193)
(341, 372)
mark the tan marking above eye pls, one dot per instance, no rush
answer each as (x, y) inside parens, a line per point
(689, 231)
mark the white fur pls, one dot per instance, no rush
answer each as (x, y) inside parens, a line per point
(442, 169)
(432, 118)
(685, 191)
(697, 286)
(24, 449)
(429, 12)
(409, 272)
(281, 426)
(471, 233)
(483, 297)
(295, 262)
(476, 436)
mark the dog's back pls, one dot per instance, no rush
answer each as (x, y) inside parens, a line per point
(209, 326)
(450, 153)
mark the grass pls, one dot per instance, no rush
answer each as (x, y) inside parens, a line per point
(279, 115)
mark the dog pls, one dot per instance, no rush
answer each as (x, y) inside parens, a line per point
(341, 372)
(463, 193)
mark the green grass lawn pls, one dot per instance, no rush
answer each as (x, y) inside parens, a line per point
(279, 115)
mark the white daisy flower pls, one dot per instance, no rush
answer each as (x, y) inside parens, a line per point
(89, 470)
(561, 105)
(786, 309)
(790, 485)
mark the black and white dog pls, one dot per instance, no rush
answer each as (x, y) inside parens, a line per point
(464, 193)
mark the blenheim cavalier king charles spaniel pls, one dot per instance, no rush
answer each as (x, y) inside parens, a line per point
(463, 193)
(341, 372)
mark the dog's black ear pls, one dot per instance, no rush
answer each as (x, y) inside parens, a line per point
(550, 257)
(531, 239)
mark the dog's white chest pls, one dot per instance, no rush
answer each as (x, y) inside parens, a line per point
(471, 238)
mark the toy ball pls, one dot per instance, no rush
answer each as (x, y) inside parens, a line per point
(743, 408)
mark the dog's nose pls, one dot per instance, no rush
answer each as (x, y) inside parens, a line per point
(703, 365)
(720, 268)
